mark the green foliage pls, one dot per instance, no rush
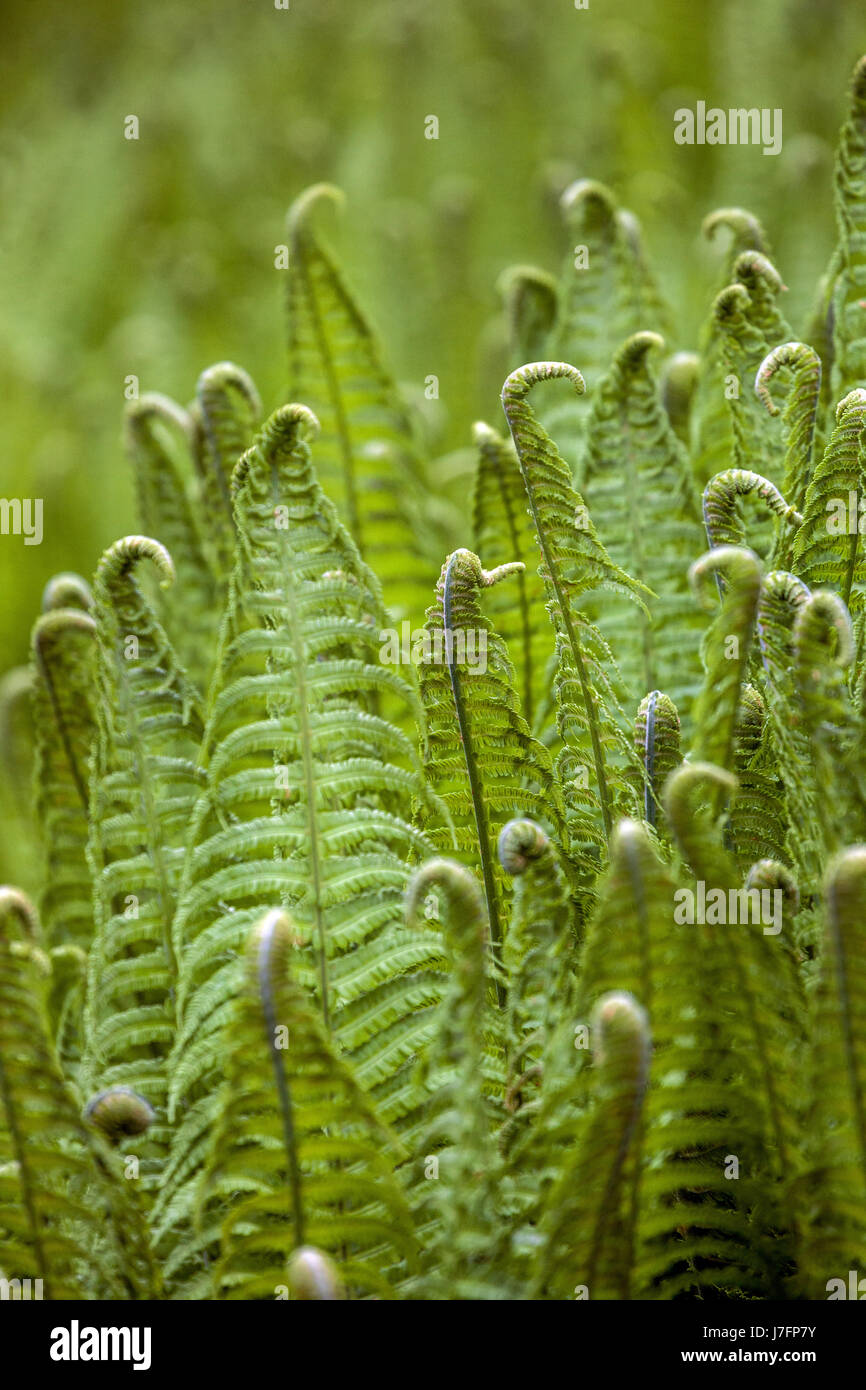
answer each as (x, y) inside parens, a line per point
(835, 1178)
(849, 323)
(421, 963)
(573, 563)
(826, 550)
(144, 784)
(801, 412)
(480, 757)
(57, 1185)
(637, 489)
(160, 436)
(299, 1155)
(64, 725)
(504, 534)
(367, 456)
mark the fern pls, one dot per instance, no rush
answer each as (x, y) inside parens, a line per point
(827, 549)
(712, 434)
(64, 723)
(748, 329)
(833, 1186)
(144, 786)
(758, 819)
(800, 418)
(607, 293)
(588, 1233)
(657, 745)
(308, 799)
(637, 489)
(726, 650)
(849, 324)
(468, 1230)
(480, 757)
(367, 455)
(56, 1190)
(299, 1156)
(678, 384)
(504, 534)
(612, 1045)
(679, 1226)
(573, 563)
(154, 425)
(530, 301)
(225, 414)
(539, 956)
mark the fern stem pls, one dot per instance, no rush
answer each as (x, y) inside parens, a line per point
(649, 759)
(475, 788)
(273, 937)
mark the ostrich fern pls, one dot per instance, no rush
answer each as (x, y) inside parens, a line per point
(360, 971)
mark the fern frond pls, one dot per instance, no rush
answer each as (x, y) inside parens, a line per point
(801, 412)
(823, 649)
(679, 379)
(693, 788)
(20, 850)
(744, 325)
(308, 801)
(638, 492)
(747, 234)
(657, 744)
(529, 298)
(225, 414)
(504, 533)
(59, 1188)
(64, 723)
(723, 523)
(849, 313)
(480, 756)
(463, 1246)
(143, 789)
(758, 818)
(367, 457)
(764, 283)
(588, 1230)
(538, 955)
(751, 1064)
(786, 742)
(299, 1155)
(726, 650)
(833, 1188)
(712, 432)
(606, 294)
(154, 426)
(573, 563)
(827, 547)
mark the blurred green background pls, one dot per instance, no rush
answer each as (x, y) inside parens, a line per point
(155, 257)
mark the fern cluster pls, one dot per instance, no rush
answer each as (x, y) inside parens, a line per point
(516, 954)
